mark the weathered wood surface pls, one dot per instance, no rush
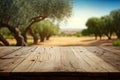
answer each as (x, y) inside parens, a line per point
(59, 59)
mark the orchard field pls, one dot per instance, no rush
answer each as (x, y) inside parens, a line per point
(71, 41)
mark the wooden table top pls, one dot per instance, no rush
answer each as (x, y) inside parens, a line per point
(60, 59)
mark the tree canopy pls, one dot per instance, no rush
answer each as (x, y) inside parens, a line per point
(106, 25)
(15, 14)
(94, 26)
(116, 21)
(21, 12)
(45, 29)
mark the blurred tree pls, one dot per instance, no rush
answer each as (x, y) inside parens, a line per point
(107, 26)
(53, 9)
(116, 21)
(45, 29)
(94, 26)
(53, 30)
(85, 32)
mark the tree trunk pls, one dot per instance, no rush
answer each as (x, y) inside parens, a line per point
(95, 37)
(25, 36)
(42, 38)
(16, 33)
(34, 20)
(1, 44)
(109, 37)
(100, 37)
(19, 39)
(4, 41)
(35, 37)
(118, 35)
(48, 37)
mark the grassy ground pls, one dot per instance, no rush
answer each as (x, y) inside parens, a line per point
(72, 41)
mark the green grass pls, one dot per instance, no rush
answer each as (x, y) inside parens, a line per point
(29, 43)
(13, 44)
(116, 43)
(9, 37)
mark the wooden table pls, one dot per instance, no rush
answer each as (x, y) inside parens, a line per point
(56, 61)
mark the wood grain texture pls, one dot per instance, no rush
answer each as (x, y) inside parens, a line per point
(7, 50)
(11, 61)
(111, 55)
(59, 59)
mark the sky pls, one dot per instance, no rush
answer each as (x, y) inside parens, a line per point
(85, 9)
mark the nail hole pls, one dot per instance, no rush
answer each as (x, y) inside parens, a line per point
(33, 60)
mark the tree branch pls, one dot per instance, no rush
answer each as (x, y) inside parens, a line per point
(38, 18)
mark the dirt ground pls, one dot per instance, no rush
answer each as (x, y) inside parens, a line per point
(72, 41)
(76, 41)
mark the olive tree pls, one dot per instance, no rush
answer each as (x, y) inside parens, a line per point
(94, 26)
(45, 29)
(3, 40)
(17, 13)
(53, 30)
(116, 21)
(85, 32)
(53, 9)
(107, 26)
(8, 17)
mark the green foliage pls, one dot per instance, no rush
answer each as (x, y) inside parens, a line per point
(116, 21)
(45, 28)
(9, 37)
(12, 44)
(116, 43)
(63, 34)
(85, 32)
(94, 26)
(77, 34)
(7, 8)
(107, 26)
(5, 31)
(20, 12)
(30, 43)
(7, 34)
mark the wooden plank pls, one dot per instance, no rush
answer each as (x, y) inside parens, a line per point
(108, 56)
(114, 50)
(50, 59)
(85, 62)
(47, 61)
(7, 50)
(113, 47)
(42, 60)
(93, 61)
(69, 61)
(24, 66)
(56, 59)
(9, 62)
